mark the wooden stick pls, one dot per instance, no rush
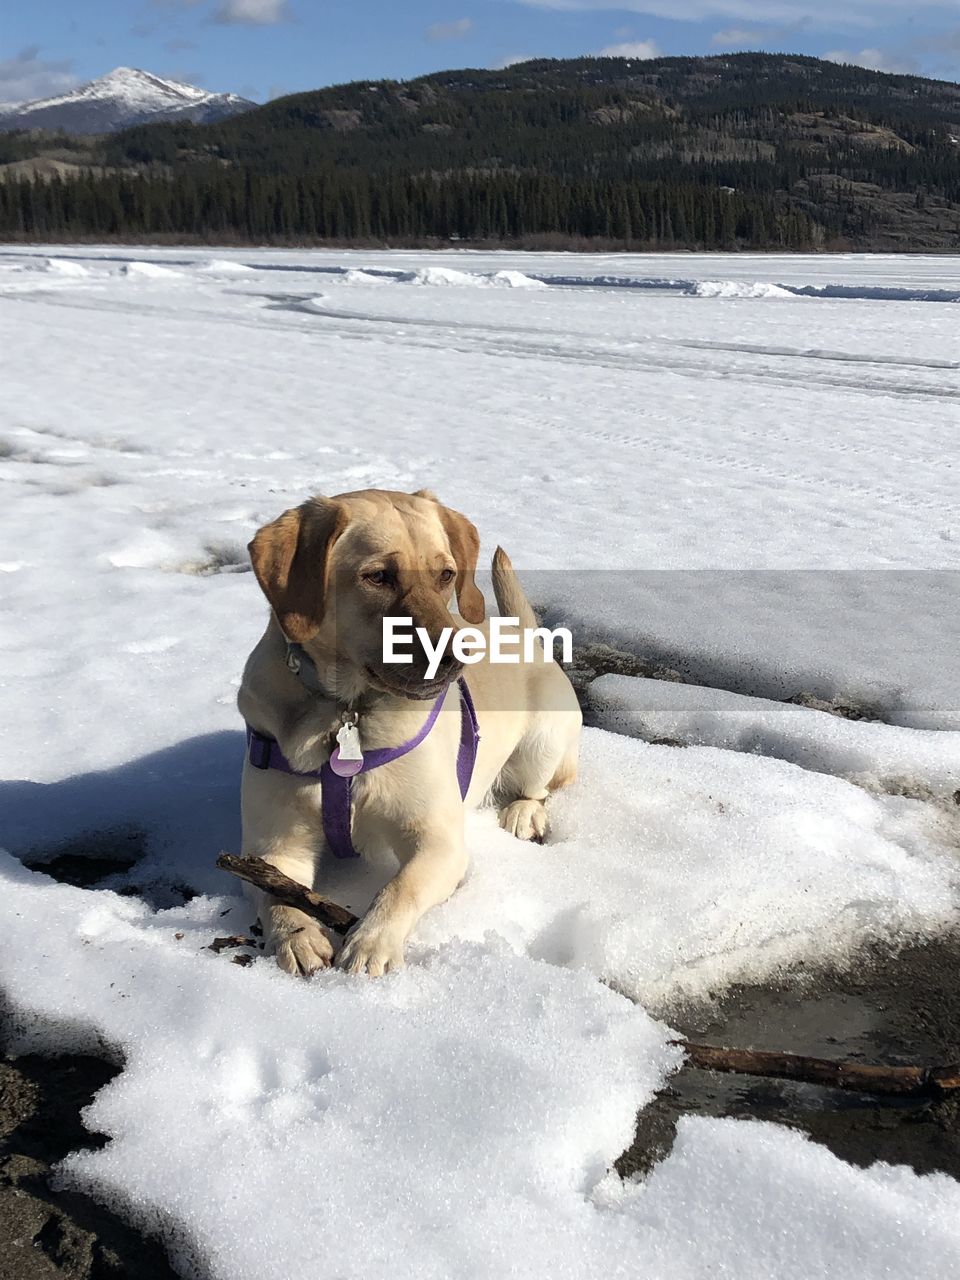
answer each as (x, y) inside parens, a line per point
(234, 940)
(930, 1082)
(917, 1082)
(266, 877)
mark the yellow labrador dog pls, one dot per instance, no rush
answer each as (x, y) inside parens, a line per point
(332, 569)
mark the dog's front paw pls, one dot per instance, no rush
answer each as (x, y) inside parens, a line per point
(525, 819)
(373, 949)
(300, 944)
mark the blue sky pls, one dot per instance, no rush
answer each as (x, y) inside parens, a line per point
(263, 48)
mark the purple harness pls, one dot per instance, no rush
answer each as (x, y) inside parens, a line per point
(335, 790)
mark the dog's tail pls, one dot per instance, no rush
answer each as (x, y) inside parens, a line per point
(511, 601)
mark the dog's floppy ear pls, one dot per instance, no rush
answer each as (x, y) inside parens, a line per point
(465, 548)
(290, 557)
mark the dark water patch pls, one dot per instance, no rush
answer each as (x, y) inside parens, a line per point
(88, 859)
(46, 1233)
(894, 1008)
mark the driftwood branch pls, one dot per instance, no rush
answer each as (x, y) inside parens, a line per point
(266, 877)
(918, 1082)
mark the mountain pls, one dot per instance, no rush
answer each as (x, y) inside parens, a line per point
(748, 150)
(587, 115)
(118, 100)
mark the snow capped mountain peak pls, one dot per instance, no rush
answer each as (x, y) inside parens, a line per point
(138, 88)
(142, 85)
(123, 97)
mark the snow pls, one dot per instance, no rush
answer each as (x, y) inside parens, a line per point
(516, 280)
(124, 96)
(442, 278)
(448, 277)
(673, 874)
(225, 267)
(669, 875)
(64, 267)
(456, 1120)
(130, 89)
(148, 271)
(753, 489)
(135, 89)
(879, 756)
(739, 289)
(779, 633)
(724, 1182)
(438, 1125)
(356, 275)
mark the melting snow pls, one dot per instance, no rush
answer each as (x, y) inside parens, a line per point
(446, 277)
(64, 267)
(461, 1118)
(148, 271)
(739, 289)
(225, 267)
(879, 756)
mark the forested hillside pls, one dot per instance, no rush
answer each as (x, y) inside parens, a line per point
(750, 150)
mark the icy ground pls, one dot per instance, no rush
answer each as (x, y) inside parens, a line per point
(669, 442)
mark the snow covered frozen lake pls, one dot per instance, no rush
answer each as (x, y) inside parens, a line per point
(743, 468)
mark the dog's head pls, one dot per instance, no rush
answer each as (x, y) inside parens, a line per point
(334, 568)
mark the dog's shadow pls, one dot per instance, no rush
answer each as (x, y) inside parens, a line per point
(154, 824)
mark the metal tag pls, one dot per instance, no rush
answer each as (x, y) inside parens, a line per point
(348, 738)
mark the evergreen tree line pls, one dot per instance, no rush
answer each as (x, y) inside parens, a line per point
(755, 122)
(630, 152)
(214, 201)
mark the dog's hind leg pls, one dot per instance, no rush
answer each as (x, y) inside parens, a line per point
(545, 760)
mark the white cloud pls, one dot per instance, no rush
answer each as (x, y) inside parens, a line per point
(738, 38)
(28, 76)
(872, 59)
(631, 49)
(786, 35)
(511, 60)
(849, 13)
(450, 30)
(252, 13)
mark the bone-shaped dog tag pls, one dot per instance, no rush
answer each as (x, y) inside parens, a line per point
(349, 740)
(347, 758)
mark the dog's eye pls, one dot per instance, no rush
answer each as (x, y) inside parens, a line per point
(377, 578)
(447, 575)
